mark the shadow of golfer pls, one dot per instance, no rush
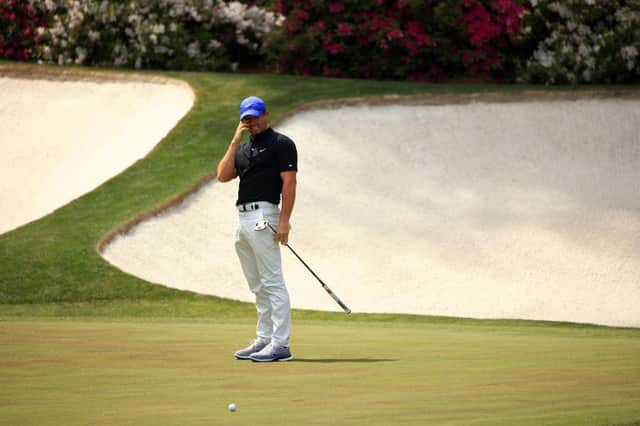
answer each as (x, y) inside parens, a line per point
(339, 360)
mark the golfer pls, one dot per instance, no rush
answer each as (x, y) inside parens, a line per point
(267, 167)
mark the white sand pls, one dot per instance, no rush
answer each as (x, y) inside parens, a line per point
(516, 210)
(59, 140)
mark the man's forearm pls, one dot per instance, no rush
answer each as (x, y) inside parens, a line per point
(288, 200)
(226, 167)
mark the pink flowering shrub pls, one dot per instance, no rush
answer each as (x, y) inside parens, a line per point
(18, 23)
(489, 31)
(398, 39)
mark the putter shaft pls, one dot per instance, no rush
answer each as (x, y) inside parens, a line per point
(326, 287)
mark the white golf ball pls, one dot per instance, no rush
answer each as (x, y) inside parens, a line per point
(232, 407)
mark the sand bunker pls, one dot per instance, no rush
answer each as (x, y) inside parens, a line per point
(489, 210)
(61, 139)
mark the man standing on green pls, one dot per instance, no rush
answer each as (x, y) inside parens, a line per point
(267, 166)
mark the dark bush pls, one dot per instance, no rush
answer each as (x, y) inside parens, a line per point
(18, 29)
(399, 39)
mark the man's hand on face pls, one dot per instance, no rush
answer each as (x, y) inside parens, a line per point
(256, 125)
(282, 233)
(242, 127)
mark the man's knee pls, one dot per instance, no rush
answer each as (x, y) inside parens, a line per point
(277, 293)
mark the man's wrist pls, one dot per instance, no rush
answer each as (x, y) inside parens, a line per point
(284, 222)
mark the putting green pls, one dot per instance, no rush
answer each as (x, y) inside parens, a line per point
(182, 373)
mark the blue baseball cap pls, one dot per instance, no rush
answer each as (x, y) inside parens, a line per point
(252, 106)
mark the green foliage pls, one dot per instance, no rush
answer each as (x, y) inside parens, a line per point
(581, 41)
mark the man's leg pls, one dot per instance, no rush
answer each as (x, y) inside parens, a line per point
(273, 288)
(281, 313)
(264, 327)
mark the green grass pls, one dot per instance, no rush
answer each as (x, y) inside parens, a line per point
(182, 373)
(84, 343)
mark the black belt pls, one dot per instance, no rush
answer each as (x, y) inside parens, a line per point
(248, 207)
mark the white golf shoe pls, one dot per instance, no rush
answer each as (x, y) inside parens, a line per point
(272, 352)
(254, 347)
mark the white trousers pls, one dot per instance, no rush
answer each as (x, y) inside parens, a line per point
(259, 256)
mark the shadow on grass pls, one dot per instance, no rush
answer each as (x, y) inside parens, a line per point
(339, 360)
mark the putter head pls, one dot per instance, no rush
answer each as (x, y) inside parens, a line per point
(261, 225)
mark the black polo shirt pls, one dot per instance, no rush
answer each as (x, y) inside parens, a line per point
(259, 164)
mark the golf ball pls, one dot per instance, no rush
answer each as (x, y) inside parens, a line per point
(232, 407)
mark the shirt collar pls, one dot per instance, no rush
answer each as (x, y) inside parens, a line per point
(261, 137)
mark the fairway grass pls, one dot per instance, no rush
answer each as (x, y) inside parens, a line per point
(96, 371)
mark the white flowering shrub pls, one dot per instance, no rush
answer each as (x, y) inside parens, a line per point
(581, 41)
(166, 34)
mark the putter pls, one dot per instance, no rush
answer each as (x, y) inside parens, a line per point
(263, 224)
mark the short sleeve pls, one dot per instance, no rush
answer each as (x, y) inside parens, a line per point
(287, 155)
